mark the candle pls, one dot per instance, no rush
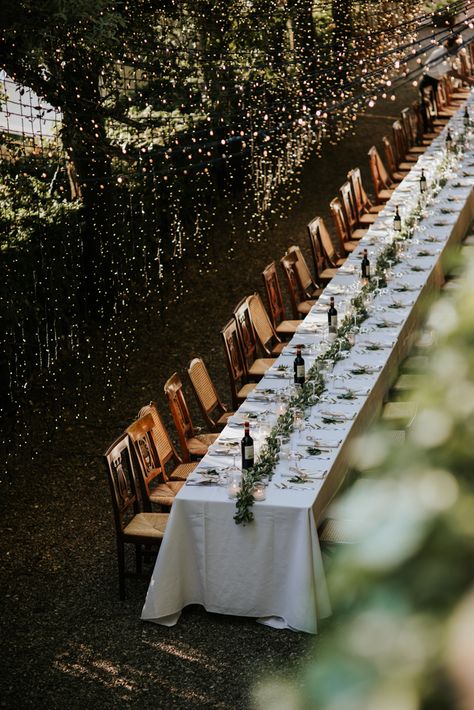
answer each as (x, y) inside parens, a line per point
(259, 491)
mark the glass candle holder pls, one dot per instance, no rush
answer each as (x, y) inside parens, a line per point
(259, 492)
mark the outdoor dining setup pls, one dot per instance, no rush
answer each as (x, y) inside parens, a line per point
(240, 509)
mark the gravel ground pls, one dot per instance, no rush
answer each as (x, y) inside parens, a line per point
(66, 639)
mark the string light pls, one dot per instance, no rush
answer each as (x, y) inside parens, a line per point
(191, 122)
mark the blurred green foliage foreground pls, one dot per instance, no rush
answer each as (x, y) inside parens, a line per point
(402, 633)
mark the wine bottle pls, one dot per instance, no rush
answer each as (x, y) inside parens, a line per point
(467, 119)
(332, 317)
(365, 265)
(247, 448)
(423, 185)
(397, 221)
(449, 141)
(298, 367)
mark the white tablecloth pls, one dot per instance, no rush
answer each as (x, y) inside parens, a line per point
(272, 568)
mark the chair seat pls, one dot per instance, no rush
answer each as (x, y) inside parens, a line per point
(164, 493)
(222, 421)
(305, 306)
(350, 246)
(316, 293)
(385, 194)
(367, 219)
(260, 366)
(198, 445)
(417, 150)
(375, 209)
(244, 391)
(287, 327)
(399, 175)
(152, 525)
(358, 233)
(278, 348)
(399, 413)
(339, 532)
(411, 158)
(404, 167)
(328, 274)
(405, 385)
(181, 472)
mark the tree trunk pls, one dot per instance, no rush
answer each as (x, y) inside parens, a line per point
(85, 141)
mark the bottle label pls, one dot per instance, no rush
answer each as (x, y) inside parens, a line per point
(248, 453)
(300, 371)
(333, 322)
(367, 271)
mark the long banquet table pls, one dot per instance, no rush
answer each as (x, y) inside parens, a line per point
(272, 568)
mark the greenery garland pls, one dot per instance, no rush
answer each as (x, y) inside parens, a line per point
(310, 392)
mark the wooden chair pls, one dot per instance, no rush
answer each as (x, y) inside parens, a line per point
(240, 387)
(193, 445)
(361, 200)
(255, 367)
(332, 259)
(173, 468)
(300, 305)
(382, 182)
(402, 151)
(213, 410)
(131, 525)
(415, 141)
(396, 171)
(155, 489)
(284, 328)
(267, 337)
(356, 227)
(308, 286)
(422, 134)
(325, 261)
(348, 244)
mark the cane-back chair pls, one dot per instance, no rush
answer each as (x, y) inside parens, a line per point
(325, 260)
(410, 127)
(173, 468)
(193, 445)
(267, 337)
(327, 245)
(240, 386)
(357, 226)
(362, 202)
(403, 152)
(346, 243)
(156, 490)
(284, 328)
(131, 525)
(396, 172)
(300, 304)
(255, 366)
(308, 286)
(213, 410)
(382, 182)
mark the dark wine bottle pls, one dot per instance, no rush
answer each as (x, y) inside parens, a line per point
(449, 141)
(397, 221)
(247, 448)
(423, 185)
(332, 316)
(298, 367)
(365, 265)
(467, 119)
